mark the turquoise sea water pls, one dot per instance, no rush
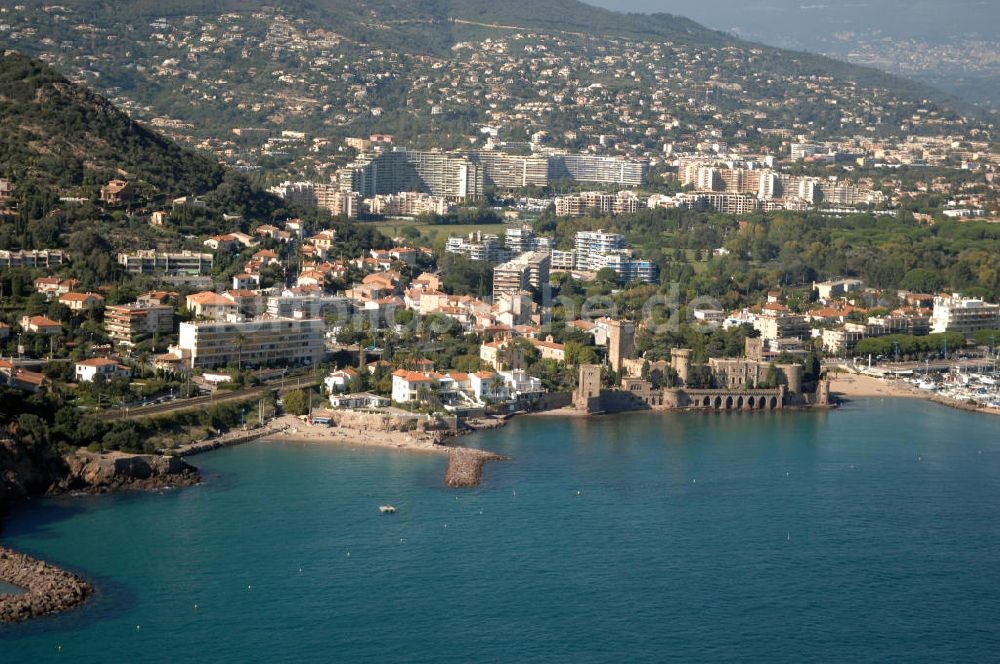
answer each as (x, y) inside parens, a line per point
(864, 534)
(9, 588)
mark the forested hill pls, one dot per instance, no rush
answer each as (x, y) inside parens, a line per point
(60, 134)
(58, 138)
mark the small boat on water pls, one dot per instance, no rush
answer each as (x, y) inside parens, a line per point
(386, 509)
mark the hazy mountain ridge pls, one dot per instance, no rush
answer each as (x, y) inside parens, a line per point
(948, 44)
(431, 71)
(423, 25)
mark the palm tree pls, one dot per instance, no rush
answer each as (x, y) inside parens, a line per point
(240, 340)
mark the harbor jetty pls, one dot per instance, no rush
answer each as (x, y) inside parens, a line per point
(465, 466)
(47, 589)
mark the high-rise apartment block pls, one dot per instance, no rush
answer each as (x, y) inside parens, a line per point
(252, 342)
(529, 271)
(322, 196)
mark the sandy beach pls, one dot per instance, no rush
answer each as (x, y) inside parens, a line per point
(297, 431)
(465, 464)
(858, 386)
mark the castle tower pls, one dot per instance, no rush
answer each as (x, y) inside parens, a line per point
(823, 393)
(589, 386)
(680, 361)
(621, 342)
(791, 377)
(754, 348)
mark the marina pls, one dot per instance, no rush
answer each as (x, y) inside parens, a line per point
(969, 384)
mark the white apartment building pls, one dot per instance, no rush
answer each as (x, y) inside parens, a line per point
(407, 204)
(478, 246)
(529, 271)
(828, 290)
(521, 239)
(596, 202)
(955, 313)
(774, 325)
(563, 260)
(262, 341)
(592, 246)
(180, 262)
(32, 258)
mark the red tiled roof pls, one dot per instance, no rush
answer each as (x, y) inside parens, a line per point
(97, 362)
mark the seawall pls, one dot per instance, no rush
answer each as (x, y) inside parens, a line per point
(230, 439)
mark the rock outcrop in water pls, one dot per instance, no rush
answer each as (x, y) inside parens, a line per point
(25, 473)
(48, 589)
(101, 473)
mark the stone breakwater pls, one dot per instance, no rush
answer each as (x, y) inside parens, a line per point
(48, 589)
(465, 466)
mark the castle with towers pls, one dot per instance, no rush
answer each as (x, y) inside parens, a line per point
(752, 382)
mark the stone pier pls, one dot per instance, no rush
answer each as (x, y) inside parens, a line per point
(48, 589)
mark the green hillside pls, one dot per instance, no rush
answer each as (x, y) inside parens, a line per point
(60, 134)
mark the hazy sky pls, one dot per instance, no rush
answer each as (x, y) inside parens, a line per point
(794, 20)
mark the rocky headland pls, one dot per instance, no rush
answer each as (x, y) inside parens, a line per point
(26, 473)
(118, 471)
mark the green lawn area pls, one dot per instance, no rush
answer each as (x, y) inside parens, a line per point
(429, 231)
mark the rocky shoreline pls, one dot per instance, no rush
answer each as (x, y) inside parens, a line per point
(117, 471)
(47, 589)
